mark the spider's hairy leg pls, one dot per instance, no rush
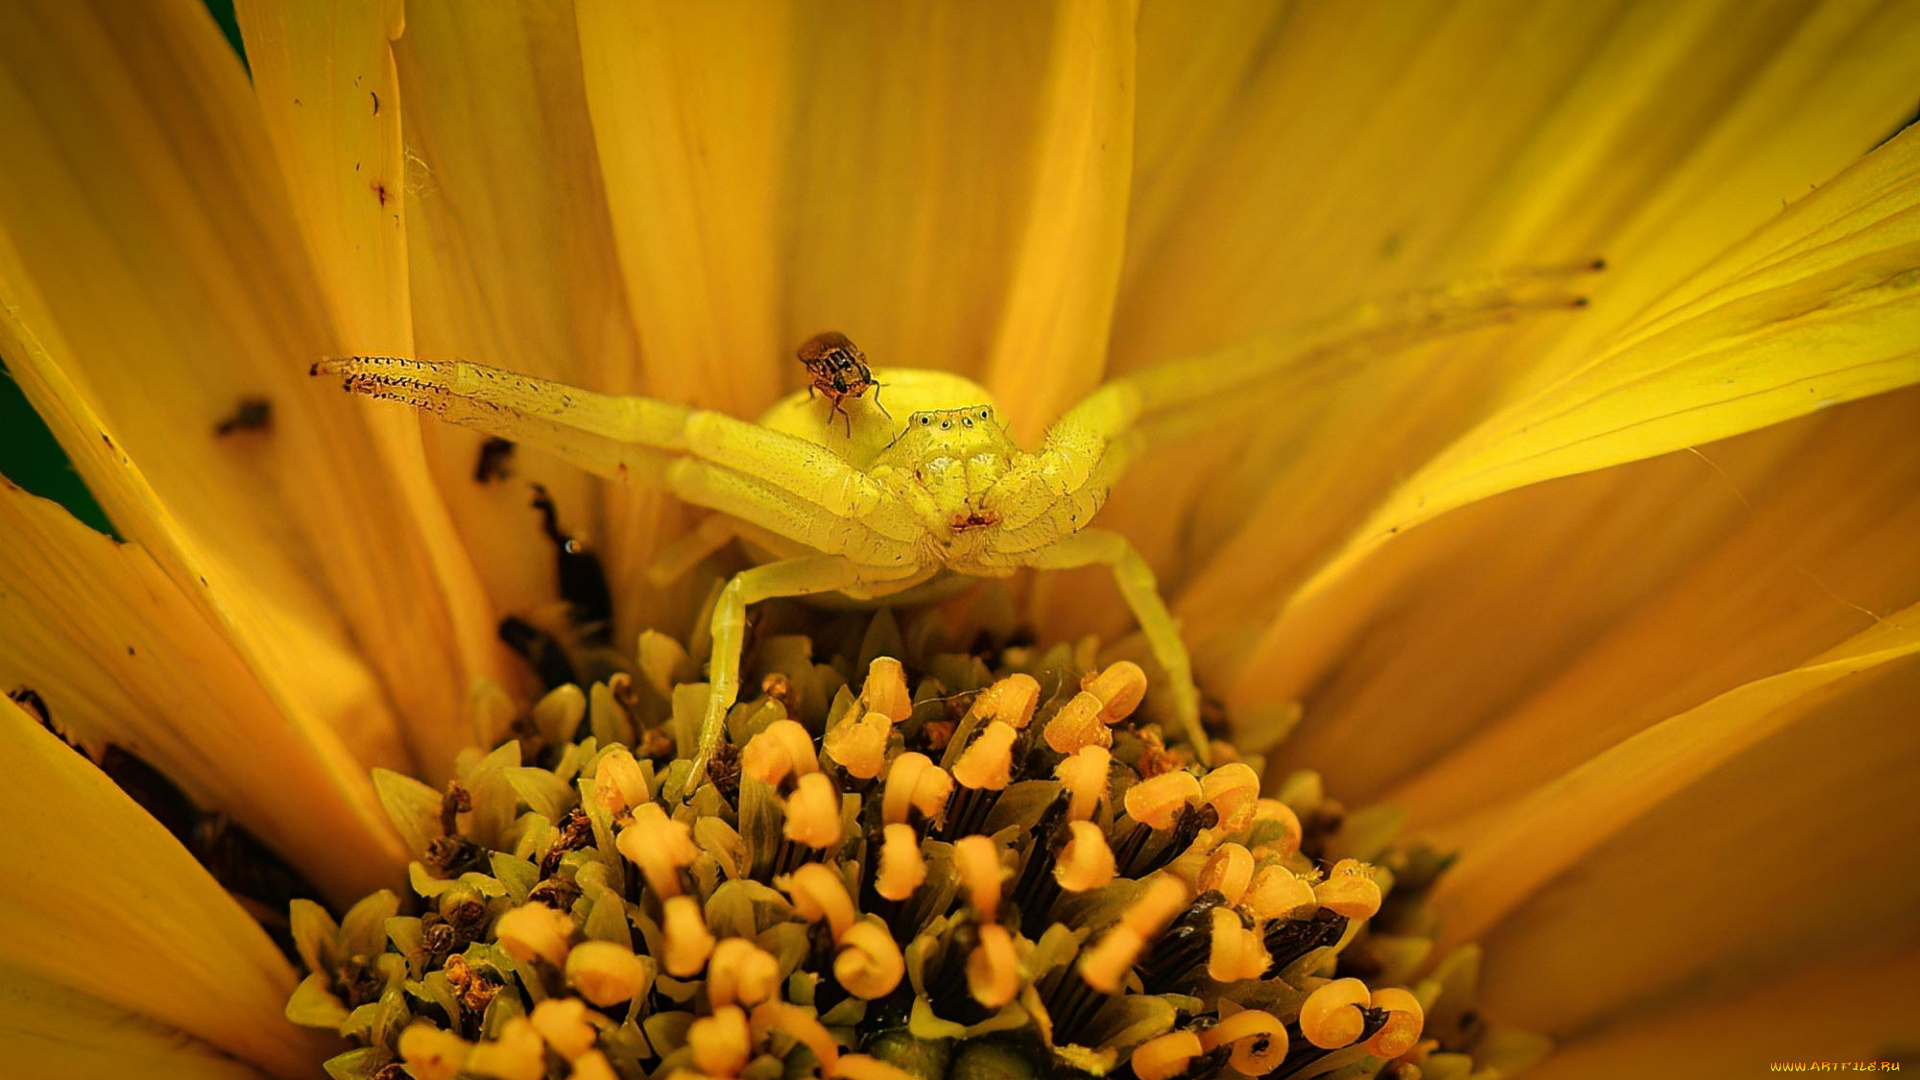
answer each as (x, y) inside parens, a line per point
(788, 577)
(787, 484)
(618, 437)
(1099, 547)
(1188, 396)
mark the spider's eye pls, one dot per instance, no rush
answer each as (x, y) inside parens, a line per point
(946, 425)
(984, 413)
(925, 420)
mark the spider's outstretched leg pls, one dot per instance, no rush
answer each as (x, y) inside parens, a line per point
(1188, 396)
(707, 458)
(1098, 547)
(789, 577)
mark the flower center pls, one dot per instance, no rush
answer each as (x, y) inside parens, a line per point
(925, 864)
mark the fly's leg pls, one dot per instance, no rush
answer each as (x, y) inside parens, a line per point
(789, 577)
(1098, 547)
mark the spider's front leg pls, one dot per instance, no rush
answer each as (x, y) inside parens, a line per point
(805, 576)
(1099, 547)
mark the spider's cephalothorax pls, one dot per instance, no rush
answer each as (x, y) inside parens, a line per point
(837, 370)
(886, 505)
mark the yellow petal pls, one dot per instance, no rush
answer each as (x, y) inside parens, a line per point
(1817, 309)
(115, 910)
(689, 108)
(1443, 140)
(119, 654)
(905, 114)
(327, 87)
(1858, 1007)
(1052, 344)
(1770, 824)
(511, 260)
(122, 123)
(1508, 642)
(1697, 574)
(57, 1034)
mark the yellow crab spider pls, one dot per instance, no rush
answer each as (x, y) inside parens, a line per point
(909, 508)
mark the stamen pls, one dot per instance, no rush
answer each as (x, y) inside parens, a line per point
(1290, 830)
(1080, 722)
(660, 847)
(562, 1023)
(1009, 701)
(689, 942)
(915, 783)
(618, 783)
(1157, 803)
(1085, 775)
(1258, 1038)
(1349, 890)
(741, 973)
(1086, 862)
(819, 893)
(515, 1054)
(902, 867)
(784, 749)
(1228, 871)
(1120, 688)
(433, 1054)
(976, 859)
(885, 691)
(1333, 1016)
(1278, 893)
(720, 1044)
(859, 744)
(869, 965)
(813, 813)
(993, 976)
(593, 1065)
(1166, 1057)
(771, 1016)
(535, 930)
(1105, 965)
(988, 762)
(1237, 951)
(1233, 790)
(605, 973)
(1405, 1020)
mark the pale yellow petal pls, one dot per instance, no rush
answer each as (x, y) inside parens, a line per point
(1444, 139)
(1551, 828)
(1052, 343)
(142, 185)
(1508, 642)
(1819, 544)
(325, 79)
(1818, 309)
(1772, 824)
(115, 910)
(1858, 1007)
(689, 105)
(120, 654)
(917, 130)
(511, 262)
(153, 381)
(50, 1032)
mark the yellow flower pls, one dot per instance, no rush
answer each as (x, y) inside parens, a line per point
(1618, 604)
